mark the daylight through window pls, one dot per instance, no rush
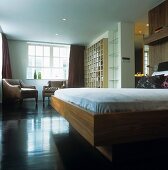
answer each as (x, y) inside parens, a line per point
(0, 55)
(48, 61)
(146, 59)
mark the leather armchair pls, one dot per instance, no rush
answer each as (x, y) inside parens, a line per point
(16, 90)
(52, 87)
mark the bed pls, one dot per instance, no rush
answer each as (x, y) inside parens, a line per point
(138, 115)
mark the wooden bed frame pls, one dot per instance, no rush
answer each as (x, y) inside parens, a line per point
(104, 130)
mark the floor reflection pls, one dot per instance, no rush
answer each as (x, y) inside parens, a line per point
(39, 130)
(26, 138)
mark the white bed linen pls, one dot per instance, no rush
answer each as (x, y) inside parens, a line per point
(106, 100)
(160, 73)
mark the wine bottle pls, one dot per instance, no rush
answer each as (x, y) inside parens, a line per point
(35, 75)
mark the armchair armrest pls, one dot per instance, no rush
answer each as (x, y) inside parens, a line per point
(44, 87)
(11, 91)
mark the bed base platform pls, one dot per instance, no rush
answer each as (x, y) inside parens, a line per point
(102, 130)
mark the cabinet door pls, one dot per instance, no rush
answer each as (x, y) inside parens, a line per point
(157, 17)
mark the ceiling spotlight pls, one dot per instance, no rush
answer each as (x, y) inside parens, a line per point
(64, 19)
(56, 34)
(147, 25)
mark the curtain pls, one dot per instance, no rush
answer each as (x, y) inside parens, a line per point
(6, 67)
(76, 66)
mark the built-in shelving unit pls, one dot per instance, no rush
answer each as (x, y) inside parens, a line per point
(95, 65)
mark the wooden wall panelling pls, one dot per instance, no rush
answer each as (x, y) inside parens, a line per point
(158, 39)
(166, 13)
(157, 54)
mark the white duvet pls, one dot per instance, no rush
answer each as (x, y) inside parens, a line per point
(106, 100)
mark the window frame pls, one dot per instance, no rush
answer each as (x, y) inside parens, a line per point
(58, 72)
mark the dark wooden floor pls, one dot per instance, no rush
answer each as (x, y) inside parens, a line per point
(37, 138)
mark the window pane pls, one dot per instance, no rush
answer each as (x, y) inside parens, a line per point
(47, 51)
(46, 62)
(31, 50)
(1, 56)
(55, 73)
(63, 62)
(39, 61)
(46, 73)
(31, 61)
(63, 52)
(55, 51)
(61, 74)
(39, 51)
(30, 73)
(56, 62)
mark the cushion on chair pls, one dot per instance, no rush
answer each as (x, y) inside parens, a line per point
(57, 84)
(51, 89)
(28, 92)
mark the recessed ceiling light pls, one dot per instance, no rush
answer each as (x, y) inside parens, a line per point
(147, 25)
(64, 19)
(56, 34)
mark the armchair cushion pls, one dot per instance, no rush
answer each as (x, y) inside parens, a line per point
(51, 89)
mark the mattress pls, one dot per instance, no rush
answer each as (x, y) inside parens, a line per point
(108, 100)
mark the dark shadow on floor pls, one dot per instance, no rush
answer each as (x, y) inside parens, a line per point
(77, 153)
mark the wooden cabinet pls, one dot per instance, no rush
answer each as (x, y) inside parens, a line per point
(95, 65)
(158, 34)
(157, 37)
(158, 18)
(158, 24)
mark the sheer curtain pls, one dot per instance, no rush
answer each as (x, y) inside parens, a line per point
(6, 67)
(76, 66)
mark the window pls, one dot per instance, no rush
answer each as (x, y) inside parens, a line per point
(146, 59)
(48, 61)
(0, 55)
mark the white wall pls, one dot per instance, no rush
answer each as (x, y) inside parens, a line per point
(19, 58)
(104, 35)
(127, 51)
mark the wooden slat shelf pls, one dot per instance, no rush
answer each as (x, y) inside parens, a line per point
(156, 37)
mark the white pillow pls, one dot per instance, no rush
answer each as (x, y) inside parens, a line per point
(160, 73)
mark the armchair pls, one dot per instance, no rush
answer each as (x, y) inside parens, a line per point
(51, 88)
(16, 90)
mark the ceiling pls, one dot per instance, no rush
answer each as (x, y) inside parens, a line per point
(41, 20)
